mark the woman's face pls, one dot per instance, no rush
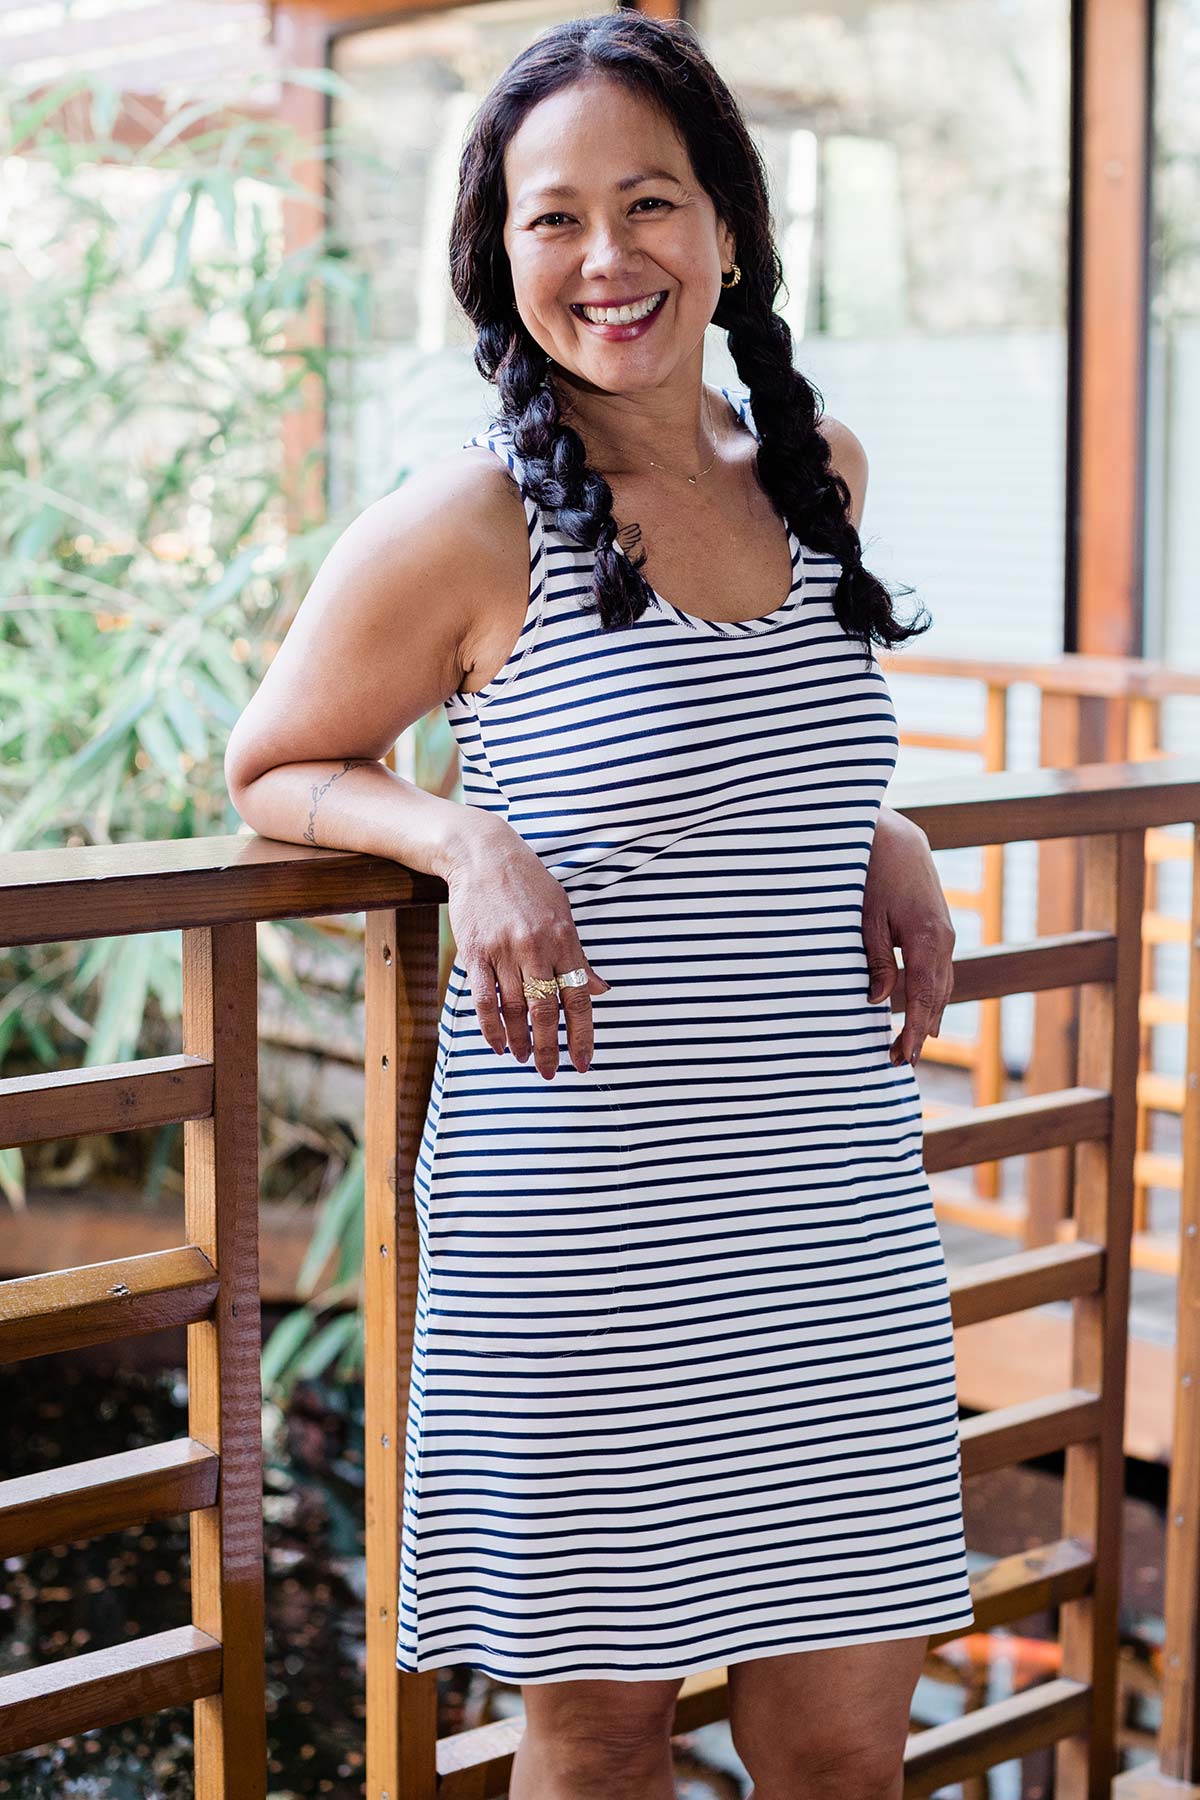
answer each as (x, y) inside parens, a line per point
(604, 209)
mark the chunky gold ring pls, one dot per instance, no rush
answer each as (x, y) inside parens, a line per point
(539, 987)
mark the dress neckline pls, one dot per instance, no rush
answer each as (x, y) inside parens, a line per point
(762, 621)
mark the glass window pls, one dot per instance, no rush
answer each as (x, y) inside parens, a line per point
(416, 86)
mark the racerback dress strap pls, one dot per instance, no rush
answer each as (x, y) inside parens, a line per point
(497, 439)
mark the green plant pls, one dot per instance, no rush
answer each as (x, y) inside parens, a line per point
(153, 543)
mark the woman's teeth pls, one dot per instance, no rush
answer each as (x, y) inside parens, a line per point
(622, 315)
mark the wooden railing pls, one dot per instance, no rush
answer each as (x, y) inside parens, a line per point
(1089, 708)
(214, 890)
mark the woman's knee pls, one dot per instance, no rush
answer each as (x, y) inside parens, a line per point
(604, 1726)
(824, 1767)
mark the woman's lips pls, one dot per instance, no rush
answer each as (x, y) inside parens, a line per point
(620, 329)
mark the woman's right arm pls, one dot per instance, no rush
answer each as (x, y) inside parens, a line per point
(378, 642)
(382, 637)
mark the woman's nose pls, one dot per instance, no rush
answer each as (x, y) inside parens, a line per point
(607, 250)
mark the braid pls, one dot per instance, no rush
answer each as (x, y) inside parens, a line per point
(556, 473)
(794, 468)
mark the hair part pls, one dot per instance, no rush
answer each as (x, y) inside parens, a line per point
(661, 61)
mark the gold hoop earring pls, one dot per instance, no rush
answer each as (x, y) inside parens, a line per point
(736, 274)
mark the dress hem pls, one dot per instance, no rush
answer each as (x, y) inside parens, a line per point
(678, 1672)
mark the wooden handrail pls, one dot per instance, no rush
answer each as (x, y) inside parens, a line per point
(113, 890)
(214, 891)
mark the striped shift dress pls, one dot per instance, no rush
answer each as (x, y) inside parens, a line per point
(683, 1387)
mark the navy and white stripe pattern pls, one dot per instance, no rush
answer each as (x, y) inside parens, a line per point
(683, 1384)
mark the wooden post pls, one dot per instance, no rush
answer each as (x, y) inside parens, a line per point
(220, 1023)
(402, 1004)
(1106, 379)
(1179, 1739)
(1093, 1495)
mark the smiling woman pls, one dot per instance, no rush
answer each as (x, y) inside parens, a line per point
(721, 760)
(683, 1388)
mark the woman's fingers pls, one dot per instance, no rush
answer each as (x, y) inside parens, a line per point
(543, 1019)
(481, 978)
(515, 1009)
(928, 979)
(577, 1005)
(531, 1021)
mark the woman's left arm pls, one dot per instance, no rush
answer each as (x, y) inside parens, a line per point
(904, 908)
(903, 905)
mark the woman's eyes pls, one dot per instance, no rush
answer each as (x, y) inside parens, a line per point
(646, 200)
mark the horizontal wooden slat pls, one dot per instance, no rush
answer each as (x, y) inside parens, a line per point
(1161, 1009)
(979, 1740)
(105, 1687)
(1162, 928)
(1147, 1782)
(963, 899)
(1115, 677)
(990, 971)
(1018, 1127)
(1163, 1092)
(942, 740)
(1168, 846)
(60, 1506)
(48, 896)
(1002, 1218)
(121, 1097)
(43, 1314)
(1013, 1434)
(1014, 1587)
(1158, 1168)
(951, 1052)
(1064, 960)
(1157, 1252)
(57, 1229)
(1011, 806)
(1011, 1284)
(102, 890)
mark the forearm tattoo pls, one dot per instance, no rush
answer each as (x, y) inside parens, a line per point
(319, 792)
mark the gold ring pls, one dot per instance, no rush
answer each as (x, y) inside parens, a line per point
(538, 987)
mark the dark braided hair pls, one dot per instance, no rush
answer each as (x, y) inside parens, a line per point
(662, 61)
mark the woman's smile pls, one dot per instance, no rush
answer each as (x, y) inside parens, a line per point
(628, 320)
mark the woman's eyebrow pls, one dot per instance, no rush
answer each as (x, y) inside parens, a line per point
(560, 191)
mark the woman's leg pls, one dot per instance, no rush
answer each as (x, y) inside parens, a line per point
(596, 1740)
(826, 1724)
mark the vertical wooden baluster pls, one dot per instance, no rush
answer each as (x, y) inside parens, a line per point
(401, 1048)
(1179, 1737)
(989, 1071)
(1144, 723)
(1074, 729)
(1093, 1497)
(220, 1022)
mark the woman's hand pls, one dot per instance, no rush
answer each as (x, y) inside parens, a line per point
(512, 922)
(904, 907)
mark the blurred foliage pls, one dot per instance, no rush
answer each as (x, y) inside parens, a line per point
(152, 555)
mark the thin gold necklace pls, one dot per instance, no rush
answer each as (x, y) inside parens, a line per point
(693, 479)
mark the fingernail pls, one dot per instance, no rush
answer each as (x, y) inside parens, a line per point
(915, 1057)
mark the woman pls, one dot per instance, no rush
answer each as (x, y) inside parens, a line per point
(683, 1389)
